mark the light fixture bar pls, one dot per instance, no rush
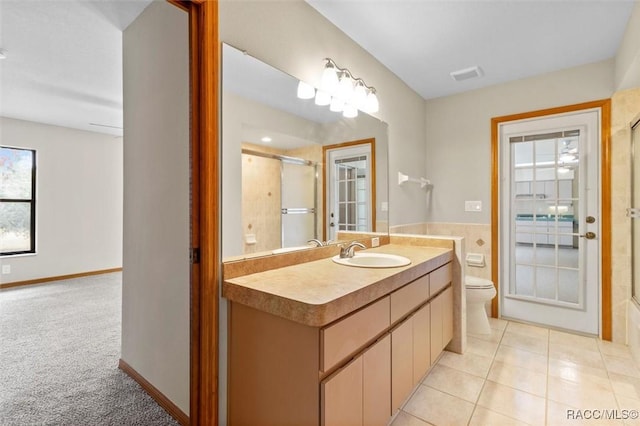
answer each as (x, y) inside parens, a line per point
(341, 90)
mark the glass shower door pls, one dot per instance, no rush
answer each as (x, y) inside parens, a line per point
(298, 204)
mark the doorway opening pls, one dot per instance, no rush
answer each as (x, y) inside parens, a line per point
(349, 185)
(550, 218)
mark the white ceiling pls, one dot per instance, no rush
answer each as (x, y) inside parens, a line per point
(64, 58)
(64, 61)
(422, 41)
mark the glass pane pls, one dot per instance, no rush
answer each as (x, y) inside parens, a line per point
(524, 280)
(523, 153)
(15, 227)
(546, 255)
(16, 168)
(546, 283)
(545, 152)
(568, 286)
(568, 257)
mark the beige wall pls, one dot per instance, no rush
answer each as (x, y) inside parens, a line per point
(155, 289)
(293, 37)
(627, 61)
(625, 106)
(459, 133)
(78, 200)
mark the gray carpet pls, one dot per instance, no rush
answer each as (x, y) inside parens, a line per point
(59, 352)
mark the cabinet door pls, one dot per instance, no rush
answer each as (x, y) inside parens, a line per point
(401, 364)
(376, 408)
(447, 316)
(342, 396)
(421, 342)
(437, 309)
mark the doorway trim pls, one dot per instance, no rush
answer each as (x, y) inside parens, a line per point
(605, 201)
(204, 66)
(325, 148)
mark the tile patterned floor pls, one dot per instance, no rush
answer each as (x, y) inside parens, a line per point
(526, 375)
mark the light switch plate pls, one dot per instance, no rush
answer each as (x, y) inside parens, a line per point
(473, 206)
(6, 269)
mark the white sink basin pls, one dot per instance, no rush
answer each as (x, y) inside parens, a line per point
(373, 260)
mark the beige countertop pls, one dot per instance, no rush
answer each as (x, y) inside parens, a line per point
(319, 292)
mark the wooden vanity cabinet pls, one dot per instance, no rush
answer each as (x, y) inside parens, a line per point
(441, 322)
(360, 393)
(354, 371)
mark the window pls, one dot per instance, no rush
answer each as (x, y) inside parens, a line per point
(17, 201)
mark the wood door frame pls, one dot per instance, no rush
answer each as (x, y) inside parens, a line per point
(204, 65)
(605, 198)
(325, 148)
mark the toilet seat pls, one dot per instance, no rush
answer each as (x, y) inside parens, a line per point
(475, 282)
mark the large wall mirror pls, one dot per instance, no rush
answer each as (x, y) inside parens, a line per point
(293, 171)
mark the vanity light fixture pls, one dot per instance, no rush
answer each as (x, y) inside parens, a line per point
(322, 98)
(330, 80)
(341, 91)
(306, 91)
(337, 105)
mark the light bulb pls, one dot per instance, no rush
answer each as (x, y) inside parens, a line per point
(337, 104)
(345, 88)
(329, 81)
(322, 98)
(305, 90)
(360, 95)
(350, 111)
(372, 104)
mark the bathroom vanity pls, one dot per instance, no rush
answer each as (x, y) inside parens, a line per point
(318, 343)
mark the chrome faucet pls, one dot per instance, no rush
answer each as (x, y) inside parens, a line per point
(349, 250)
(316, 241)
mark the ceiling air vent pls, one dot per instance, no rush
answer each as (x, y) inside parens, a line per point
(466, 73)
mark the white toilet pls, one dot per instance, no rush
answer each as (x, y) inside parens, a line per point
(478, 291)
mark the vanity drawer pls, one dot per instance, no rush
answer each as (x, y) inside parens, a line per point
(346, 336)
(439, 279)
(409, 297)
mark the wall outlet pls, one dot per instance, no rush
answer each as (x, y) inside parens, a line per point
(473, 206)
(6, 269)
(375, 242)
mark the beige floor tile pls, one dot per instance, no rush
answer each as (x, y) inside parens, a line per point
(629, 409)
(614, 349)
(571, 371)
(483, 417)
(625, 386)
(519, 378)
(514, 403)
(454, 382)
(404, 419)
(623, 366)
(477, 365)
(619, 350)
(481, 347)
(438, 407)
(498, 324)
(583, 396)
(527, 329)
(522, 358)
(495, 336)
(576, 355)
(531, 343)
(564, 415)
(589, 343)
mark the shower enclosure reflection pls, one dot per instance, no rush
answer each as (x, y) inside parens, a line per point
(275, 194)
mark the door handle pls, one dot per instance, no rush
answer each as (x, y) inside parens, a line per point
(589, 235)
